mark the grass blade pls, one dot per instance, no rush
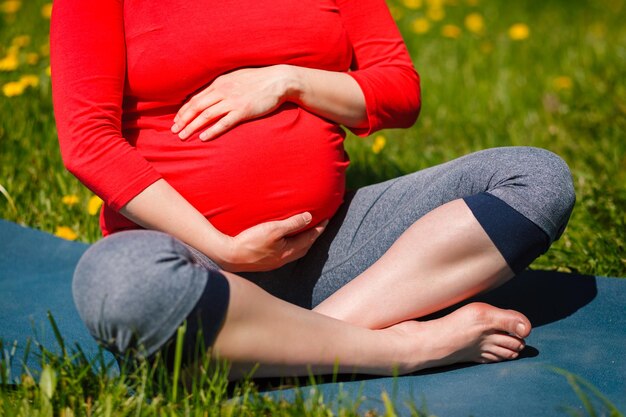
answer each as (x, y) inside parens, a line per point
(389, 408)
(576, 382)
(6, 195)
(178, 356)
(57, 333)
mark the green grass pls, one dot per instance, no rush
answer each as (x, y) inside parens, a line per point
(563, 88)
(479, 91)
(70, 385)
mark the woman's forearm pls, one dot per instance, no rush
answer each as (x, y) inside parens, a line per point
(333, 95)
(262, 247)
(160, 207)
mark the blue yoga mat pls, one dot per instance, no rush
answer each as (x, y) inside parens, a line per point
(579, 325)
(36, 271)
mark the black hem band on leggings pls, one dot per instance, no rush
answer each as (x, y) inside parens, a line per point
(518, 239)
(203, 323)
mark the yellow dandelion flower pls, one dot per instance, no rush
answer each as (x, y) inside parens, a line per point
(412, 4)
(451, 31)
(436, 14)
(65, 232)
(48, 71)
(563, 83)
(46, 10)
(379, 144)
(519, 32)
(10, 6)
(20, 41)
(13, 88)
(29, 80)
(70, 200)
(94, 204)
(420, 25)
(9, 63)
(475, 23)
(44, 49)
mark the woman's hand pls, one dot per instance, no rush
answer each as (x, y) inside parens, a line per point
(250, 93)
(231, 99)
(270, 245)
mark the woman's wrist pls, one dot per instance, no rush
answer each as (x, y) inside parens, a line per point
(334, 95)
(218, 246)
(293, 82)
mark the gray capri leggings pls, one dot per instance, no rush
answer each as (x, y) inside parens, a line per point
(133, 289)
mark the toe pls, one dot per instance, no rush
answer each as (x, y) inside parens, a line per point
(488, 357)
(522, 326)
(507, 341)
(502, 354)
(508, 321)
(512, 322)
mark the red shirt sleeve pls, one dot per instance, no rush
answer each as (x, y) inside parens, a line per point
(381, 66)
(88, 64)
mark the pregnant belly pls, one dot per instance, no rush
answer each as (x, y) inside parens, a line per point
(266, 169)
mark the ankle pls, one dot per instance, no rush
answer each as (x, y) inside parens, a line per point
(403, 350)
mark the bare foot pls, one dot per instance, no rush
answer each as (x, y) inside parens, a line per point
(476, 332)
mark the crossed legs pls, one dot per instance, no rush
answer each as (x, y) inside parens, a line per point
(412, 246)
(385, 297)
(421, 251)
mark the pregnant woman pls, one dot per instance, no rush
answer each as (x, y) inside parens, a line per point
(211, 130)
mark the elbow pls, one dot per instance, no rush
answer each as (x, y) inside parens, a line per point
(412, 98)
(412, 114)
(416, 96)
(71, 161)
(75, 168)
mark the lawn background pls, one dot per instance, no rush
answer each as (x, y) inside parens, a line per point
(547, 73)
(485, 84)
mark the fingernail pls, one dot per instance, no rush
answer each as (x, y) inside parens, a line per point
(521, 329)
(175, 128)
(203, 136)
(182, 135)
(307, 217)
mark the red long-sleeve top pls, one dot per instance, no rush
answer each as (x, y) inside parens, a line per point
(122, 69)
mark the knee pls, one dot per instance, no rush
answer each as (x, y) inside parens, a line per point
(555, 178)
(128, 287)
(538, 183)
